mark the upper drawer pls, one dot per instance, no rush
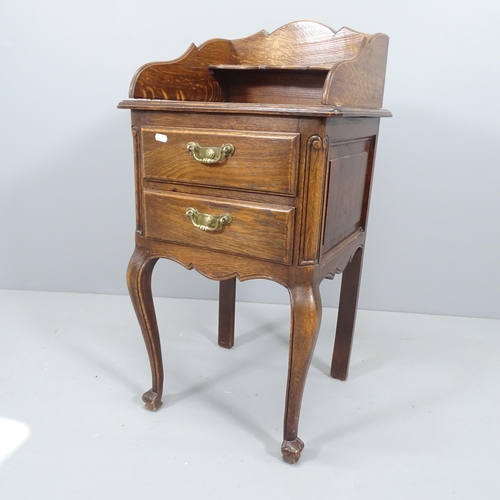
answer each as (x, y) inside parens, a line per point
(265, 162)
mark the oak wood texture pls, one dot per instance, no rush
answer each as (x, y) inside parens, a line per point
(257, 156)
(346, 317)
(290, 109)
(347, 173)
(139, 274)
(227, 302)
(350, 67)
(258, 230)
(301, 106)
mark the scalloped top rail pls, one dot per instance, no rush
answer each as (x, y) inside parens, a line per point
(299, 44)
(304, 63)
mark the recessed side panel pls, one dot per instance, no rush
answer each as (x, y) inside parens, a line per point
(347, 191)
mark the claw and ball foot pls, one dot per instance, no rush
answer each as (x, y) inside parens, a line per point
(291, 450)
(152, 400)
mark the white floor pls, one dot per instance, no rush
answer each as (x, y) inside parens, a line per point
(418, 418)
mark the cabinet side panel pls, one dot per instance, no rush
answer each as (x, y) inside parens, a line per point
(347, 196)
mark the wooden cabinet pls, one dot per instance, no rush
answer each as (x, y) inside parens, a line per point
(254, 159)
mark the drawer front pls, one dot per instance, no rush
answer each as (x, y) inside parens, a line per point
(264, 162)
(256, 230)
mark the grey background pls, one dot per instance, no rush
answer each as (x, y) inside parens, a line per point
(66, 190)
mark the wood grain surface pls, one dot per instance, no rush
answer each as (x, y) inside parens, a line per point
(346, 68)
(301, 106)
(259, 230)
(262, 161)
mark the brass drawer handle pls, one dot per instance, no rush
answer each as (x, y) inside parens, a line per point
(207, 222)
(210, 155)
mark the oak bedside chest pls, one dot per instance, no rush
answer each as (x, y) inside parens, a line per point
(254, 159)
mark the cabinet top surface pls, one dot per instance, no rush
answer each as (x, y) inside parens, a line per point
(251, 108)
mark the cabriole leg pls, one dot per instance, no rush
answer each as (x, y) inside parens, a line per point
(306, 318)
(139, 285)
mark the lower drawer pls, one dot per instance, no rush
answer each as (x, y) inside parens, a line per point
(256, 230)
